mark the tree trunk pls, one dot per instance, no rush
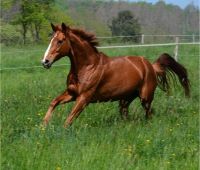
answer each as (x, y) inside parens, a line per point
(37, 32)
(24, 31)
(32, 32)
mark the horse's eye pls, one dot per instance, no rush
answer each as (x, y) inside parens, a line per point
(60, 42)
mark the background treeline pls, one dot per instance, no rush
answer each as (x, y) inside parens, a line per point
(27, 21)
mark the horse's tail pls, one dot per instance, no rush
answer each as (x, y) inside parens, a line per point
(166, 64)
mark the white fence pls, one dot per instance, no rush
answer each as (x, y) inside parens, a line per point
(148, 38)
(175, 44)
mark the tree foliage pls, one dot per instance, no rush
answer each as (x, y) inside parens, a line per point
(32, 18)
(125, 24)
(31, 15)
(9, 34)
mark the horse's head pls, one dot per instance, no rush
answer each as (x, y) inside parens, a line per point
(59, 45)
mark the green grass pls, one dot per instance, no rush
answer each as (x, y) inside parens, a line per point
(98, 139)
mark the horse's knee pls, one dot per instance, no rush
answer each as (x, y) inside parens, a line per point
(54, 103)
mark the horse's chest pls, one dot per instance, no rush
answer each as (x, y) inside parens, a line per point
(83, 82)
(72, 84)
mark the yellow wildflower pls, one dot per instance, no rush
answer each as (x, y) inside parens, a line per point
(58, 168)
(148, 141)
(173, 154)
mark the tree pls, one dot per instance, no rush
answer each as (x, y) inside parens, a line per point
(31, 16)
(125, 24)
(8, 33)
(23, 18)
(38, 17)
(191, 19)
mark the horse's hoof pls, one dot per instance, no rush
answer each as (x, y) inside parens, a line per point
(45, 123)
(65, 125)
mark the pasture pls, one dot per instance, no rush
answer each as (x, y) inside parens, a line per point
(98, 139)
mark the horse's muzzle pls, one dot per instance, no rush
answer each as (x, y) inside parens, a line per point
(46, 64)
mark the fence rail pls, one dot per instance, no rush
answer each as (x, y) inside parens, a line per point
(147, 45)
(150, 35)
(149, 38)
(139, 38)
(30, 67)
(109, 47)
(119, 46)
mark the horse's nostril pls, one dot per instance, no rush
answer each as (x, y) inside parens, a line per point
(46, 61)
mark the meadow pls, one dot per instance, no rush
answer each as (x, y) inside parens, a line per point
(98, 139)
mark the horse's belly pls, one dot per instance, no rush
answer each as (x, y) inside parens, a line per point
(117, 88)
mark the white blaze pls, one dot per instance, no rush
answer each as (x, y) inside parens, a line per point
(49, 47)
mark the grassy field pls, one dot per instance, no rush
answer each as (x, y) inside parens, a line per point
(98, 139)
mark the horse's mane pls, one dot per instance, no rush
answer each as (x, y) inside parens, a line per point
(89, 37)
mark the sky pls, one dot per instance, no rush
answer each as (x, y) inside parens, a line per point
(181, 3)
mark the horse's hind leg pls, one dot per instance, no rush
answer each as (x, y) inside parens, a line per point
(123, 107)
(146, 98)
(147, 106)
(61, 99)
(124, 104)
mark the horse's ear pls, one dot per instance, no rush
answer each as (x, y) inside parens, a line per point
(53, 27)
(65, 28)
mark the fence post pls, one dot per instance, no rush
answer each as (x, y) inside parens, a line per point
(142, 39)
(176, 48)
(193, 38)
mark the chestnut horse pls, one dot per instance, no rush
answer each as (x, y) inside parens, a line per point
(94, 77)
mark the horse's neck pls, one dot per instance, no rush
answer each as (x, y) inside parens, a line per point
(82, 55)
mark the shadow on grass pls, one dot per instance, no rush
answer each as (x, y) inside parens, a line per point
(114, 119)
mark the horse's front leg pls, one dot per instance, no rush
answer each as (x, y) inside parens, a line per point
(61, 99)
(81, 101)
